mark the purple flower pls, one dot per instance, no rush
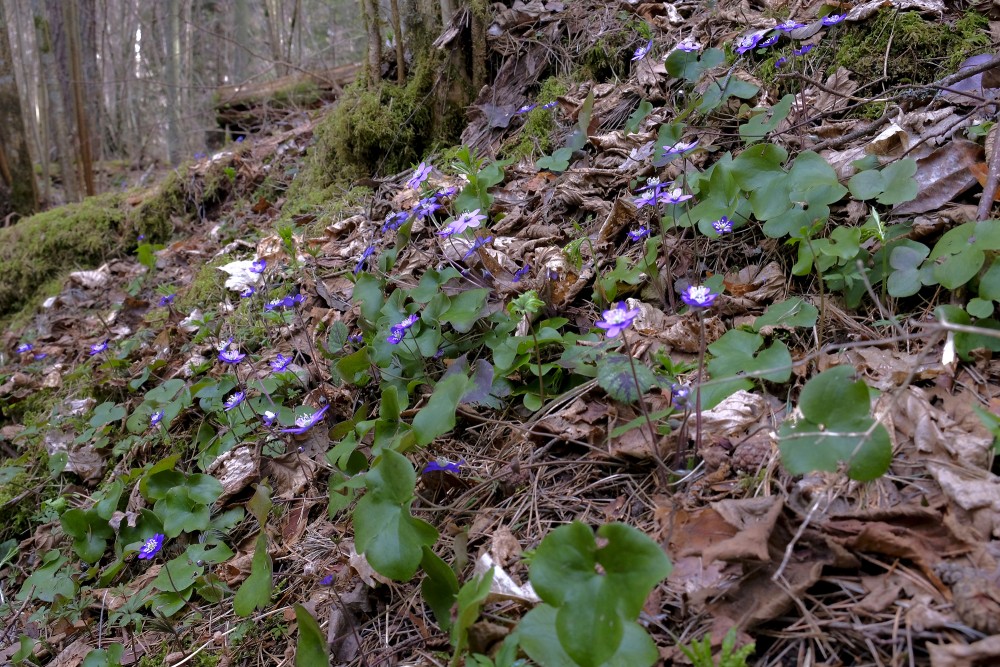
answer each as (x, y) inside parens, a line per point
(409, 321)
(356, 339)
(40, 356)
(268, 417)
(156, 418)
(97, 348)
(327, 580)
(426, 207)
(394, 221)
(780, 62)
(679, 395)
(521, 273)
(748, 42)
(274, 304)
(698, 296)
(525, 109)
(258, 266)
(679, 147)
(647, 198)
(789, 25)
(639, 234)
(141, 237)
(653, 183)
(306, 422)
(442, 465)
(280, 363)
(833, 19)
(550, 105)
(151, 547)
(248, 292)
(675, 196)
(420, 175)
(642, 51)
(369, 251)
(463, 222)
(240, 139)
(723, 225)
(167, 300)
(688, 45)
(770, 41)
(231, 355)
(617, 319)
(234, 400)
(24, 348)
(804, 50)
(476, 245)
(395, 336)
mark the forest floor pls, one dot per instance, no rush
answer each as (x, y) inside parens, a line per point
(293, 430)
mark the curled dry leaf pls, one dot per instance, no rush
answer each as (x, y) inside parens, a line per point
(736, 414)
(943, 175)
(235, 470)
(503, 586)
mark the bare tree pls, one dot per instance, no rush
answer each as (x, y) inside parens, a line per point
(18, 193)
(78, 86)
(171, 58)
(370, 9)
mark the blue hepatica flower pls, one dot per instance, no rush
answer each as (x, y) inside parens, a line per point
(394, 221)
(639, 234)
(642, 51)
(833, 19)
(327, 580)
(723, 225)
(24, 348)
(442, 465)
(420, 175)
(679, 395)
(647, 198)
(780, 62)
(467, 220)
(268, 417)
(151, 547)
(550, 105)
(525, 109)
(306, 422)
(156, 418)
(748, 42)
(804, 50)
(40, 356)
(248, 292)
(789, 25)
(426, 207)
(476, 245)
(653, 183)
(356, 339)
(234, 400)
(521, 273)
(688, 45)
(231, 355)
(770, 41)
(397, 331)
(675, 196)
(698, 296)
(167, 300)
(679, 147)
(369, 251)
(97, 348)
(280, 363)
(258, 266)
(617, 319)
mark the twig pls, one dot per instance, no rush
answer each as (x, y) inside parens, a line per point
(990, 188)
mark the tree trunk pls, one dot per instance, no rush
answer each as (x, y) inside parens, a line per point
(77, 84)
(171, 62)
(18, 192)
(397, 31)
(273, 15)
(370, 9)
(57, 108)
(241, 35)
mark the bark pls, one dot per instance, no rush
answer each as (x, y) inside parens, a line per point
(370, 8)
(397, 31)
(18, 192)
(272, 15)
(171, 62)
(54, 95)
(77, 86)
(241, 35)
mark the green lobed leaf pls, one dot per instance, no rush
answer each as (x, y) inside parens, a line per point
(794, 312)
(439, 588)
(899, 184)
(690, 65)
(469, 600)
(614, 375)
(255, 592)
(311, 648)
(766, 120)
(989, 282)
(866, 185)
(438, 416)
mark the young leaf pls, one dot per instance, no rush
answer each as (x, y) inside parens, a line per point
(614, 374)
(795, 312)
(438, 416)
(439, 588)
(255, 592)
(764, 122)
(310, 649)
(469, 600)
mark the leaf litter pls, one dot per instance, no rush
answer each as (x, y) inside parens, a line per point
(815, 569)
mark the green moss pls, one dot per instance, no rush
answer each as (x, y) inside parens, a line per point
(203, 659)
(383, 130)
(207, 288)
(920, 51)
(608, 59)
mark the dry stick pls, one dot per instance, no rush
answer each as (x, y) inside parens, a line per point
(990, 189)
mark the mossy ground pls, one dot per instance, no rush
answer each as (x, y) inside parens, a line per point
(535, 137)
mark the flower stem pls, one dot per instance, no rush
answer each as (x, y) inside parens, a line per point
(642, 403)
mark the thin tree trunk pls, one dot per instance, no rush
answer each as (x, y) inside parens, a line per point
(57, 109)
(16, 169)
(397, 31)
(241, 35)
(72, 24)
(370, 9)
(272, 11)
(172, 102)
(447, 9)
